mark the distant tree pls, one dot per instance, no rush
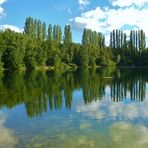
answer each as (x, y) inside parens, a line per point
(39, 30)
(67, 35)
(50, 38)
(114, 40)
(111, 40)
(2, 46)
(44, 31)
(84, 57)
(67, 42)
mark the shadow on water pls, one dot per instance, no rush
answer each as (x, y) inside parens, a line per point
(40, 91)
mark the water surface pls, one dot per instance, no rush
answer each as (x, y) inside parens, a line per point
(105, 108)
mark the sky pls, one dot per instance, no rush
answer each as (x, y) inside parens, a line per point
(98, 15)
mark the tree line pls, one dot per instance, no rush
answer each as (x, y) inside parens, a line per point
(50, 47)
(130, 52)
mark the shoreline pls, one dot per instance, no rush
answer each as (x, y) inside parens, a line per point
(52, 68)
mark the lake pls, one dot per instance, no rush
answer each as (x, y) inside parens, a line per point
(87, 108)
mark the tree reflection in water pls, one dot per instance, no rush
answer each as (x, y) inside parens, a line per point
(39, 91)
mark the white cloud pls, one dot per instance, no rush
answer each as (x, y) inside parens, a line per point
(105, 20)
(7, 139)
(12, 27)
(91, 110)
(83, 2)
(91, 19)
(124, 3)
(2, 1)
(1, 9)
(4, 27)
(106, 109)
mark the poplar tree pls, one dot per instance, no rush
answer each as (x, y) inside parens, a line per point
(67, 42)
(84, 57)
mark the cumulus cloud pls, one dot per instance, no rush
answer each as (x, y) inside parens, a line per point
(126, 3)
(106, 19)
(12, 27)
(94, 19)
(1, 9)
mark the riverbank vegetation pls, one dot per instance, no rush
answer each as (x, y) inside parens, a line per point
(42, 46)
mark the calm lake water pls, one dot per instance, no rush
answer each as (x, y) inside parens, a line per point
(103, 108)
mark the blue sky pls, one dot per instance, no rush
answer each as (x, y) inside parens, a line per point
(100, 15)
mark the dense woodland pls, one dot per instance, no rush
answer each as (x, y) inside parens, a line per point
(42, 46)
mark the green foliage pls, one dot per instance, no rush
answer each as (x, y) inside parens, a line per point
(67, 45)
(132, 52)
(13, 50)
(94, 49)
(40, 47)
(1, 49)
(50, 38)
(84, 58)
(41, 54)
(57, 34)
(67, 35)
(30, 53)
